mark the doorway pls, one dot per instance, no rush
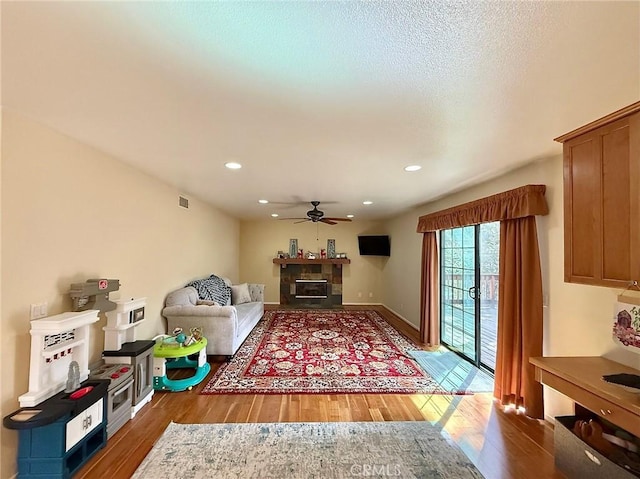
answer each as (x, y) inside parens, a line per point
(469, 272)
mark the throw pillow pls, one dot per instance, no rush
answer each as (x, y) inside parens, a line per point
(257, 292)
(240, 293)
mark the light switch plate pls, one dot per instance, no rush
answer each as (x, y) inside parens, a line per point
(38, 310)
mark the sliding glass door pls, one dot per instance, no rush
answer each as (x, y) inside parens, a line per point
(469, 291)
(457, 279)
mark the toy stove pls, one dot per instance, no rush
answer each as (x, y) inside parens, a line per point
(119, 393)
(121, 347)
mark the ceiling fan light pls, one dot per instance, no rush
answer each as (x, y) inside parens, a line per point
(274, 215)
(349, 216)
(412, 168)
(263, 202)
(232, 165)
(367, 202)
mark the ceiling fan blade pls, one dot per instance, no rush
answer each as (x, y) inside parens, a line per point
(303, 221)
(338, 219)
(297, 201)
(306, 219)
(327, 221)
(283, 205)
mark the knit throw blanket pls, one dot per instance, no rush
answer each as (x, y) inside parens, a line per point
(212, 288)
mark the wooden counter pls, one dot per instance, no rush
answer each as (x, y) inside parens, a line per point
(580, 378)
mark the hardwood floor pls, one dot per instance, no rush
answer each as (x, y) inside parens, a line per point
(502, 444)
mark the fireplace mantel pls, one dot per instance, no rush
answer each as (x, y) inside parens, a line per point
(285, 261)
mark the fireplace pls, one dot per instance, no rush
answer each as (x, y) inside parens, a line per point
(311, 285)
(311, 288)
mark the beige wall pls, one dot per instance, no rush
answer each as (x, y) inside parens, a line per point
(70, 213)
(577, 319)
(261, 240)
(4, 463)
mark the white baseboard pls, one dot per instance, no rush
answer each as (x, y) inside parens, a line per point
(388, 308)
(402, 317)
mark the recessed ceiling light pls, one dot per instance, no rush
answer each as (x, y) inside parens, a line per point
(367, 202)
(349, 216)
(412, 168)
(275, 215)
(263, 202)
(232, 165)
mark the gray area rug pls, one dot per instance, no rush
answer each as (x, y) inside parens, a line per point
(305, 450)
(453, 373)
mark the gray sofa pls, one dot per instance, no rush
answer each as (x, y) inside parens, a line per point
(225, 327)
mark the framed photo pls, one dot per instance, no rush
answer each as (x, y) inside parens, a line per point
(293, 248)
(136, 315)
(331, 248)
(626, 323)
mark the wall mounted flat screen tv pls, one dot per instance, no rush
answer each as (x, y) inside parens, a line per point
(374, 245)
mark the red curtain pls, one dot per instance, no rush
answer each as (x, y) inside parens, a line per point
(519, 316)
(430, 282)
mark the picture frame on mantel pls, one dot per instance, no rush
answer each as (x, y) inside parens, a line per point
(331, 248)
(293, 248)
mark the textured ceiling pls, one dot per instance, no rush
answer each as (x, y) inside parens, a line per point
(320, 100)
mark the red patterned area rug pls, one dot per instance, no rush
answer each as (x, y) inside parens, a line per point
(323, 351)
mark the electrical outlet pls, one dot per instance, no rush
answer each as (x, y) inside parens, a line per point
(370, 294)
(359, 294)
(38, 310)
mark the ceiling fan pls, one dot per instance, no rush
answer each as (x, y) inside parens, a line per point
(317, 216)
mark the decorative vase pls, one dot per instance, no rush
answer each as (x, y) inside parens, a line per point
(331, 248)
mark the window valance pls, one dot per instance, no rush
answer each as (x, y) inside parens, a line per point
(520, 202)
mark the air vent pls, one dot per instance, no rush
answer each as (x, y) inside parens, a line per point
(184, 202)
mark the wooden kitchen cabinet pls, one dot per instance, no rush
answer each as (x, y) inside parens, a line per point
(602, 200)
